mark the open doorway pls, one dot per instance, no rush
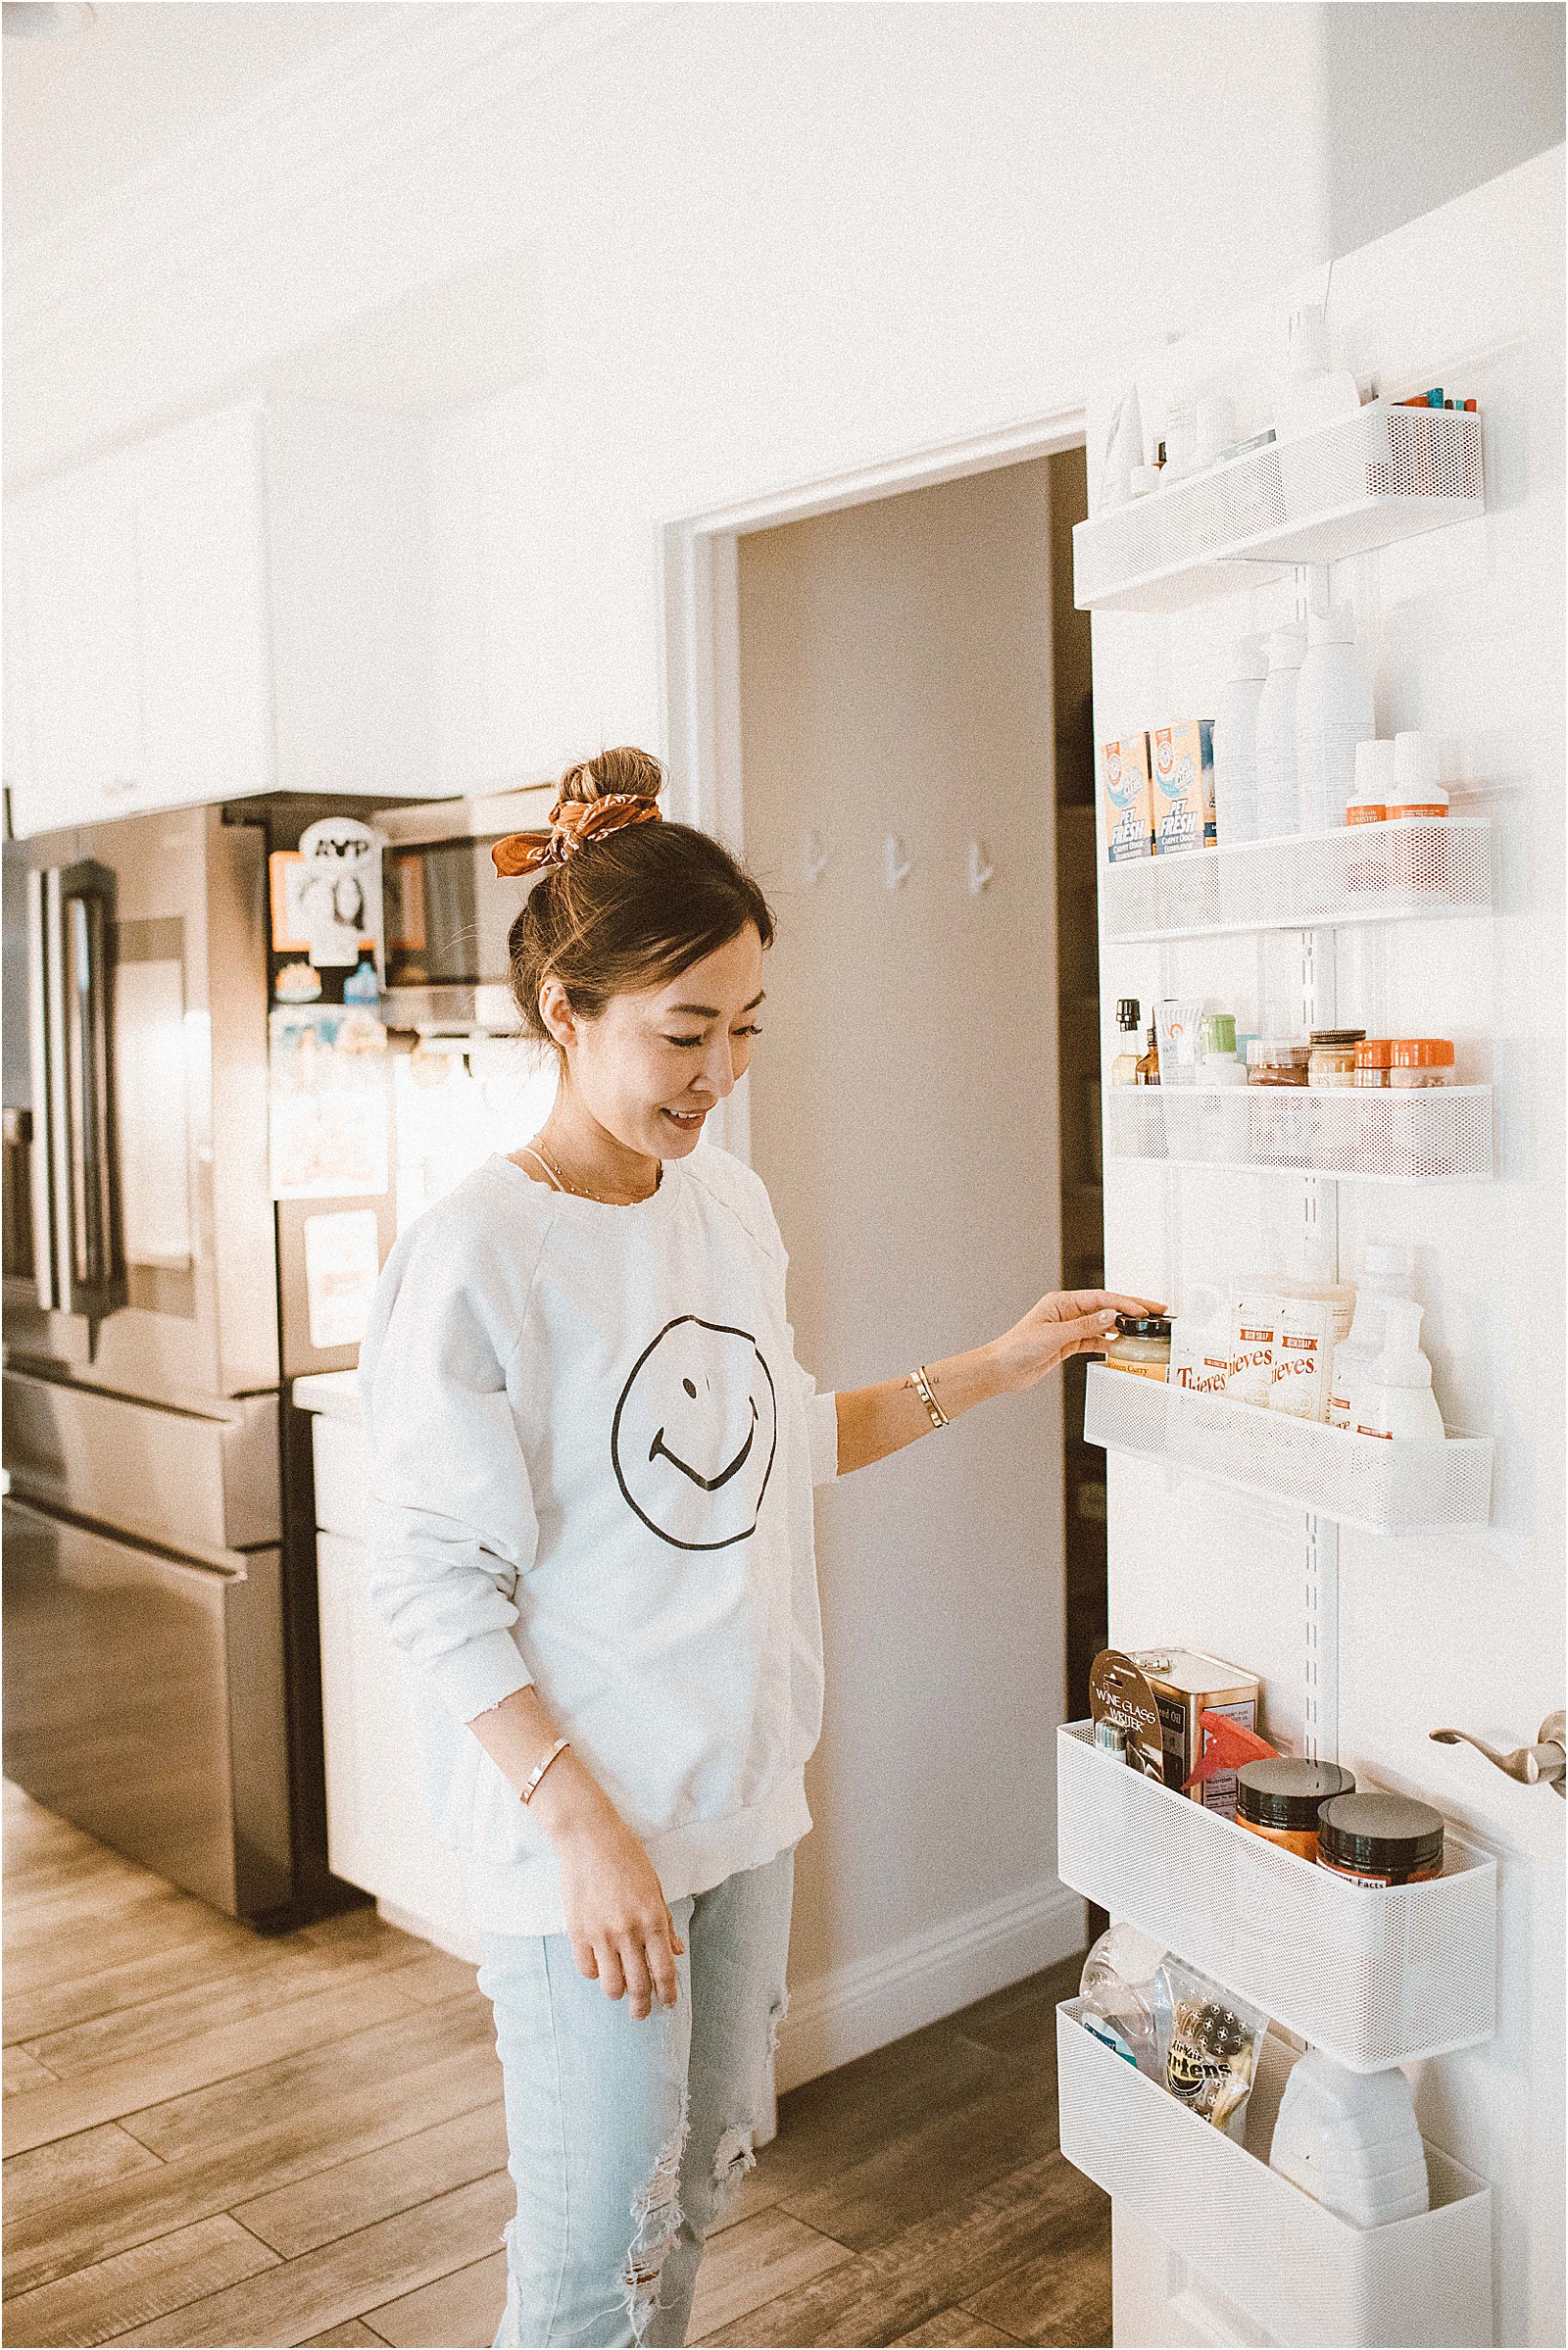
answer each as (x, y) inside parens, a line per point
(912, 766)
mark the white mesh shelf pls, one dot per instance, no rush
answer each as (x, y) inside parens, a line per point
(1357, 873)
(1387, 473)
(1386, 1485)
(1377, 1976)
(1384, 1134)
(1298, 2271)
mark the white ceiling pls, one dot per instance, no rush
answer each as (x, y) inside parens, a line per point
(87, 113)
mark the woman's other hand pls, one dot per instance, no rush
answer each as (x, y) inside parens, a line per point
(616, 1916)
(1065, 1323)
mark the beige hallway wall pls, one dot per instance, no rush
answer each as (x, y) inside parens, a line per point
(896, 677)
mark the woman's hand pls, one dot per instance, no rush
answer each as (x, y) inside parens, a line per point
(1065, 1323)
(874, 1421)
(616, 1914)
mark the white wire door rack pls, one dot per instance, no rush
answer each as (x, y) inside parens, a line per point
(1412, 868)
(1385, 1134)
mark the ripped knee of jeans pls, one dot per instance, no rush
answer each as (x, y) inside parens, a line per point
(657, 2216)
(736, 2152)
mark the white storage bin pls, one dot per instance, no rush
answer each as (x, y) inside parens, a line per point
(1374, 1975)
(1420, 865)
(1430, 1134)
(1388, 1485)
(1384, 475)
(1302, 2273)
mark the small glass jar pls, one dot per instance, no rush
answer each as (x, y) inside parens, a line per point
(1277, 1061)
(1142, 1344)
(1420, 1061)
(1380, 1839)
(1332, 1058)
(1372, 1060)
(1279, 1797)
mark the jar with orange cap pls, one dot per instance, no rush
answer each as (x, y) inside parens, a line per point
(1420, 1061)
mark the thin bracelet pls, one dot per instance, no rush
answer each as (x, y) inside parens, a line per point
(921, 1381)
(540, 1768)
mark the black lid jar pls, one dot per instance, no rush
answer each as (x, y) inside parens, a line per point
(1280, 1792)
(1382, 1839)
(1143, 1326)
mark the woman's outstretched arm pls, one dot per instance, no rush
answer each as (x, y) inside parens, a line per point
(874, 1421)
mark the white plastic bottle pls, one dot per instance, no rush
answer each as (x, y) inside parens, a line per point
(1397, 1399)
(1236, 742)
(1333, 713)
(1278, 780)
(1351, 2141)
(1384, 1276)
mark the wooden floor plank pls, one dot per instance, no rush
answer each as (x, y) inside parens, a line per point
(954, 2329)
(165, 1921)
(374, 2187)
(351, 2337)
(224, 1950)
(1062, 2292)
(23, 2071)
(133, 2287)
(297, 2298)
(459, 2311)
(755, 2261)
(948, 2259)
(112, 2093)
(53, 2177)
(419, 2081)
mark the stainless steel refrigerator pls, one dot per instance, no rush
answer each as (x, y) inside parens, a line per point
(161, 1664)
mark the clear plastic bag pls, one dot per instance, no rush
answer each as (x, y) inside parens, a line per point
(1207, 2041)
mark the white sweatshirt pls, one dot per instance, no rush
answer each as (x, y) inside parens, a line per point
(592, 1453)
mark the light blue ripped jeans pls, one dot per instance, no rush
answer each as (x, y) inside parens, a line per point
(625, 2140)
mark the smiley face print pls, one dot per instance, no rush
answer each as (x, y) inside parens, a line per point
(695, 1433)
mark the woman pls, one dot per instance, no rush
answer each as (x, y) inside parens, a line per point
(593, 1457)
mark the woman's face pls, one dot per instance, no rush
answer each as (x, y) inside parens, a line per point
(655, 1061)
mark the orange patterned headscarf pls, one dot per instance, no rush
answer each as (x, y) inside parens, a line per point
(573, 823)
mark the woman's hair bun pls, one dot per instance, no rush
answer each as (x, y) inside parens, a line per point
(636, 773)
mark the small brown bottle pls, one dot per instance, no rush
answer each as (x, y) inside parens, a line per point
(1148, 1065)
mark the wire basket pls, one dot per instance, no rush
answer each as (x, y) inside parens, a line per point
(1427, 1134)
(1386, 1485)
(1418, 866)
(1297, 2269)
(1375, 1974)
(1384, 474)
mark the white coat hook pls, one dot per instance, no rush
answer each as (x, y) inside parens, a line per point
(982, 872)
(814, 858)
(896, 865)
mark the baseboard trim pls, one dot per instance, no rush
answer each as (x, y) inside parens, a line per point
(856, 2008)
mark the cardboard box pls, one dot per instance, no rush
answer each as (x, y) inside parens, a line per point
(1129, 799)
(1184, 787)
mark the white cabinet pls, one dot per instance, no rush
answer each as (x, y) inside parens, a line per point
(238, 605)
(378, 1834)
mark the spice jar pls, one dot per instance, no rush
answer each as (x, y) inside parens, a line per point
(1420, 1061)
(1380, 1839)
(1279, 1797)
(1331, 1057)
(1277, 1067)
(1372, 1060)
(1142, 1344)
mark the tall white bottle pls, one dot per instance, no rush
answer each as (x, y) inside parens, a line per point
(1397, 1399)
(1278, 780)
(1385, 1277)
(1333, 713)
(1351, 2141)
(1236, 742)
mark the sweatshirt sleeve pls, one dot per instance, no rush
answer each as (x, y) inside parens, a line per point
(822, 1427)
(450, 1519)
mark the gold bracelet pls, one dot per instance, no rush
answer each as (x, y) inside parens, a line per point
(525, 1792)
(921, 1381)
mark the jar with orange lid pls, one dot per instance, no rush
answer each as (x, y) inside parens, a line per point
(1420, 1061)
(1372, 1060)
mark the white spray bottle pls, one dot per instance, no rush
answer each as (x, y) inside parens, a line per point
(1385, 1275)
(1398, 1398)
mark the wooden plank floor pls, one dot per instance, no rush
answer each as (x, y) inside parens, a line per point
(215, 2138)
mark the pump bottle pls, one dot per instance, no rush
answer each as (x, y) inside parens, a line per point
(1385, 1277)
(1236, 742)
(1124, 1068)
(1396, 1400)
(1333, 713)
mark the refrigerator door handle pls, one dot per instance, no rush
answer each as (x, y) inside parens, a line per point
(40, 1156)
(73, 976)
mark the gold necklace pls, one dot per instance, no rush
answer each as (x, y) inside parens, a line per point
(576, 1190)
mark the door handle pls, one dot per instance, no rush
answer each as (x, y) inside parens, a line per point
(1543, 1763)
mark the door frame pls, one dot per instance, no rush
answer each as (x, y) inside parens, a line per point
(699, 623)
